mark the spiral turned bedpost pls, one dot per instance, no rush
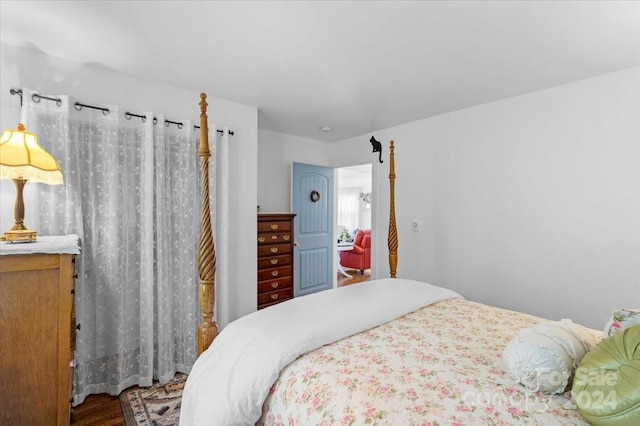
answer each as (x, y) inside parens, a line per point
(392, 238)
(208, 329)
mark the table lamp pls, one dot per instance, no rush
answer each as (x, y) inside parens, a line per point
(23, 160)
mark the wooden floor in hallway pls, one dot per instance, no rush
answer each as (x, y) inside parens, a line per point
(356, 277)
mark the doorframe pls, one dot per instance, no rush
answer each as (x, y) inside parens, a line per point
(374, 216)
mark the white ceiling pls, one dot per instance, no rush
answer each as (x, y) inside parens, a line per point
(356, 66)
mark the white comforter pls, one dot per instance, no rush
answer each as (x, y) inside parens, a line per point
(231, 380)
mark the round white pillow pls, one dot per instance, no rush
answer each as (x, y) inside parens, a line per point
(543, 358)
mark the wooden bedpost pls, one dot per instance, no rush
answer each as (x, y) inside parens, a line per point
(208, 329)
(392, 238)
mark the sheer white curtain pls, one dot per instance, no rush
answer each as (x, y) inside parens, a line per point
(349, 208)
(221, 235)
(131, 192)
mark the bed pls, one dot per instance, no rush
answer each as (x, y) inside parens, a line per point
(390, 351)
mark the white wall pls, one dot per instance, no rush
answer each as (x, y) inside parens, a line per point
(530, 203)
(277, 152)
(94, 84)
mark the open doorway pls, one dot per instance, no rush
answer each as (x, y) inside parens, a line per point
(353, 223)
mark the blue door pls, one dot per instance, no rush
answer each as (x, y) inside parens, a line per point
(312, 202)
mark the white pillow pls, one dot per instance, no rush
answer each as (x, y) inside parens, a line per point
(543, 358)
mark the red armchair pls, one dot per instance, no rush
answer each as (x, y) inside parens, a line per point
(360, 256)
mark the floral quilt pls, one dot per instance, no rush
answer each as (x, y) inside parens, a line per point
(440, 365)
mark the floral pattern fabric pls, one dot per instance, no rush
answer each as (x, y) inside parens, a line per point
(621, 320)
(440, 365)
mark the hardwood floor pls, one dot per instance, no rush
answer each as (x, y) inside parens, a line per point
(101, 409)
(105, 410)
(356, 277)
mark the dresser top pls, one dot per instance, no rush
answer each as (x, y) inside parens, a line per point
(59, 244)
(265, 217)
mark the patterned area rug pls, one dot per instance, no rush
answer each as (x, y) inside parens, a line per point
(156, 405)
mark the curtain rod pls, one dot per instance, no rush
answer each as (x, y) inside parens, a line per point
(78, 106)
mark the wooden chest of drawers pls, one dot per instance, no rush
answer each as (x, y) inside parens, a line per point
(37, 338)
(275, 258)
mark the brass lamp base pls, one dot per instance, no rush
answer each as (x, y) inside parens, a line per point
(19, 233)
(20, 236)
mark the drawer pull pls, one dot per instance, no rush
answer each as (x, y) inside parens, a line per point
(274, 261)
(275, 284)
(274, 226)
(286, 237)
(274, 249)
(274, 237)
(261, 239)
(274, 273)
(79, 326)
(274, 296)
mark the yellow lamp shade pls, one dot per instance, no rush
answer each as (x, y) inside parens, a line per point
(22, 157)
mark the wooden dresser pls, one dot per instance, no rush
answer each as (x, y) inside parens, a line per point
(37, 337)
(275, 258)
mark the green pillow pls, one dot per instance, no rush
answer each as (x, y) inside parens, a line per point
(606, 385)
